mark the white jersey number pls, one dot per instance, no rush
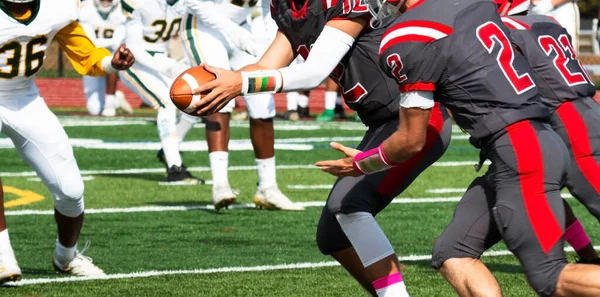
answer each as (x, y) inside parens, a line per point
(33, 60)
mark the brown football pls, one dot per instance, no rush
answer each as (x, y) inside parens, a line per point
(181, 90)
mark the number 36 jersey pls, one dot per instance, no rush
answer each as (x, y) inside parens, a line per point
(461, 51)
(23, 44)
(547, 46)
(159, 20)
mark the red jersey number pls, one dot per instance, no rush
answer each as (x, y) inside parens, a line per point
(561, 47)
(395, 63)
(491, 37)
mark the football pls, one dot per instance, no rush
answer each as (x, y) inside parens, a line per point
(181, 90)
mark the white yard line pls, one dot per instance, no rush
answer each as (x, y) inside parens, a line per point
(294, 266)
(231, 168)
(84, 178)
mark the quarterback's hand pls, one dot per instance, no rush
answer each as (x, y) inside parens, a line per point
(123, 58)
(343, 166)
(542, 7)
(223, 89)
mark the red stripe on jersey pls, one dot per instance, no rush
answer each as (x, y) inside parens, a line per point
(509, 22)
(272, 7)
(406, 38)
(417, 86)
(530, 168)
(422, 24)
(580, 143)
(398, 176)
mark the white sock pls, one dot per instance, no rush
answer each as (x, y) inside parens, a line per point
(395, 290)
(186, 122)
(292, 100)
(266, 173)
(302, 100)
(170, 147)
(330, 98)
(110, 102)
(219, 161)
(63, 254)
(5, 241)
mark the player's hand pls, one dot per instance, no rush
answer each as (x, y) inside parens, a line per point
(223, 89)
(542, 7)
(343, 166)
(123, 58)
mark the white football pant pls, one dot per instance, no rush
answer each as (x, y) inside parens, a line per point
(43, 143)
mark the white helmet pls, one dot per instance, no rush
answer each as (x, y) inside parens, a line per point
(105, 6)
(19, 1)
(381, 9)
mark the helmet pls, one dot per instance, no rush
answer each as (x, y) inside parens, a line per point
(19, 1)
(381, 9)
(105, 6)
(519, 7)
(503, 6)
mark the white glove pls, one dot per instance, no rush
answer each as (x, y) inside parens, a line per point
(241, 38)
(542, 7)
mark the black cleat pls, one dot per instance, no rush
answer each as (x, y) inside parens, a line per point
(303, 112)
(180, 174)
(339, 112)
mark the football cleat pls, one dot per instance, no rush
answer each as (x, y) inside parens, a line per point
(291, 115)
(9, 268)
(181, 174)
(272, 198)
(304, 112)
(223, 196)
(122, 102)
(339, 112)
(327, 116)
(81, 265)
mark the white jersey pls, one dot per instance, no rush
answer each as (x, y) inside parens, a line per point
(106, 30)
(23, 45)
(159, 20)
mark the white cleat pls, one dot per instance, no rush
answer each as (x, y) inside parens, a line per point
(9, 268)
(109, 112)
(81, 265)
(273, 198)
(223, 196)
(122, 102)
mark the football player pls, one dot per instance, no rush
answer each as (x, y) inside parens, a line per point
(339, 40)
(27, 29)
(460, 54)
(216, 32)
(567, 90)
(103, 22)
(150, 24)
(566, 12)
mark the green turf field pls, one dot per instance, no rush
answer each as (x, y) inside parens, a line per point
(157, 240)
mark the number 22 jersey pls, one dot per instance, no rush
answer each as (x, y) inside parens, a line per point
(461, 51)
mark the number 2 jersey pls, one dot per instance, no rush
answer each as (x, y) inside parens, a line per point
(24, 41)
(547, 46)
(366, 89)
(460, 50)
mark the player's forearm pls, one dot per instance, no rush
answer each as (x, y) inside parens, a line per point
(399, 147)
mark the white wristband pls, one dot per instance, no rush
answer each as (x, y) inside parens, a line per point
(261, 82)
(107, 65)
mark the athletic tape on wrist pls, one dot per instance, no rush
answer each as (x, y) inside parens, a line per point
(371, 161)
(261, 82)
(107, 65)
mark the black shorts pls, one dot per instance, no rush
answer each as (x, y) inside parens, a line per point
(518, 200)
(372, 193)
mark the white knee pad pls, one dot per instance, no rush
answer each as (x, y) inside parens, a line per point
(260, 106)
(366, 236)
(166, 121)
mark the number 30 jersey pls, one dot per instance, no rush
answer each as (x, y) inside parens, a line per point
(159, 20)
(366, 88)
(547, 46)
(461, 51)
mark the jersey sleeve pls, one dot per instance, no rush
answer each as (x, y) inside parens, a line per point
(85, 57)
(416, 63)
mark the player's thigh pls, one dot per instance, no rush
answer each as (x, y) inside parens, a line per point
(472, 229)
(150, 86)
(203, 44)
(529, 163)
(43, 144)
(578, 124)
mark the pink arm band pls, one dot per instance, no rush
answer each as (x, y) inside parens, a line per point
(371, 161)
